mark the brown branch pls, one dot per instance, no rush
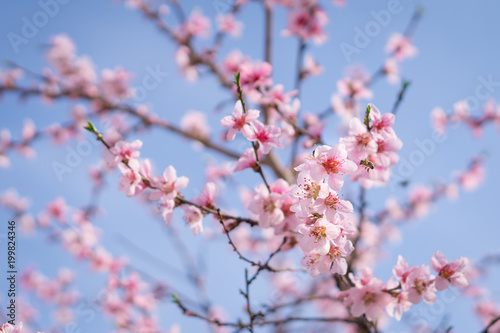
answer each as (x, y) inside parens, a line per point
(490, 325)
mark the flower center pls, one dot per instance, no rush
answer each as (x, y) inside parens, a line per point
(369, 298)
(318, 233)
(269, 206)
(331, 165)
(331, 201)
(446, 272)
(363, 140)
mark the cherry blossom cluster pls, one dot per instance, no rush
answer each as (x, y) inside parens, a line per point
(324, 223)
(8, 328)
(421, 197)
(128, 300)
(355, 86)
(373, 146)
(461, 113)
(371, 297)
(55, 291)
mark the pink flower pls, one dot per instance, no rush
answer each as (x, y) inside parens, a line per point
(239, 121)
(401, 47)
(398, 304)
(276, 96)
(124, 151)
(439, 120)
(311, 67)
(57, 209)
(233, 61)
(329, 162)
(318, 236)
(401, 269)
(255, 75)
(195, 123)
(420, 285)
(359, 143)
(8, 328)
(130, 181)
(391, 71)
(196, 25)
(168, 184)
(227, 24)
(266, 135)
(267, 206)
(114, 84)
(307, 190)
(166, 207)
(10, 77)
(449, 273)
(29, 131)
(473, 177)
(354, 88)
(11, 199)
(307, 23)
(194, 218)
(183, 59)
(367, 298)
(247, 160)
(331, 205)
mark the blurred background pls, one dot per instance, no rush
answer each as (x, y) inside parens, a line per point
(458, 46)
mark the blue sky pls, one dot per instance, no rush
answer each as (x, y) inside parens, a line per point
(457, 46)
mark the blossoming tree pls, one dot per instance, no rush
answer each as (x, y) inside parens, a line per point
(301, 223)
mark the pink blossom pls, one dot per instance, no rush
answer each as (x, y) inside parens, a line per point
(130, 181)
(168, 184)
(10, 77)
(58, 133)
(307, 190)
(247, 160)
(353, 88)
(197, 25)
(233, 61)
(439, 120)
(124, 151)
(331, 205)
(420, 285)
(367, 298)
(307, 23)
(276, 96)
(239, 121)
(401, 47)
(195, 123)
(398, 304)
(311, 67)
(401, 269)
(194, 218)
(473, 177)
(11, 199)
(359, 143)
(266, 135)
(329, 162)
(318, 236)
(29, 131)
(227, 24)
(255, 75)
(449, 273)
(267, 206)
(183, 59)
(57, 209)
(166, 207)
(8, 328)
(314, 127)
(391, 71)
(114, 84)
